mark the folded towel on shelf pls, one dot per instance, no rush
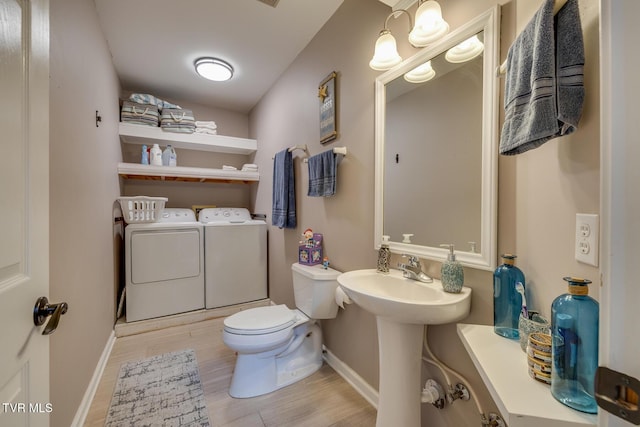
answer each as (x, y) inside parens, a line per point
(250, 167)
(544, 88)
(206, 124)
(206, 131)
(323, 172)
(229, 168)
(283, 210)
(143, 98)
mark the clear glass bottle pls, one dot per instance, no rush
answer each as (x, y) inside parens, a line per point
(574, 348)
(507, 302)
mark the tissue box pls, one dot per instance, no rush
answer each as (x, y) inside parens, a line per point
(310, 253)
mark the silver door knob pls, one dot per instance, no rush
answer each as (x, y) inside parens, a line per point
(43, 309)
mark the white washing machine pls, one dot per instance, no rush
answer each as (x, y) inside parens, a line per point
(164, 263)
(235, 249)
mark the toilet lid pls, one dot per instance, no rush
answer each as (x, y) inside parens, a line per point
(260, 320)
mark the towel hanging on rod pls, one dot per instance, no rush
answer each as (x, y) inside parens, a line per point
(342, 151)
(556, 7)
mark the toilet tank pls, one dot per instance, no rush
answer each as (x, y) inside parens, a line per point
(314, 289)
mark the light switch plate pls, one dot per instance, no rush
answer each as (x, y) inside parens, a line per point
(587, 238)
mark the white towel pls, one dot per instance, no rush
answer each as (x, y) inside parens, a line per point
(205, 124)
(249, 167)
(206, 131)
(229, 168)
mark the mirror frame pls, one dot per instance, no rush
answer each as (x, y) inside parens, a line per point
(486, 259)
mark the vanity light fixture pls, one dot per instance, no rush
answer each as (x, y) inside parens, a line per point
(213, 69)
(420, 74)
(465, 51)
(430, 26)
(385, 54)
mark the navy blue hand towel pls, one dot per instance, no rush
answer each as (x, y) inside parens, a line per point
(323, 172)
(283, 210)
(544, 89)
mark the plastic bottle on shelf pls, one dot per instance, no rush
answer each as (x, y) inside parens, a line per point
(145, 155)
(574, 346)
(155, 158)
(169, 156)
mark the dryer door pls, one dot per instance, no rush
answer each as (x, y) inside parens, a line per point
(161, 255)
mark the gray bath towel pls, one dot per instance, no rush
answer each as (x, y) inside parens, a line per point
(323, 170)
(544, 89)
(283, 210)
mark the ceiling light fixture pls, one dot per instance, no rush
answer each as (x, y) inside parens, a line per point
(213, 69)
(430, 26)
(465, 51)
(420, 74)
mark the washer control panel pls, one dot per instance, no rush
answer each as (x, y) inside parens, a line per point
(177, 215)
(237, 215)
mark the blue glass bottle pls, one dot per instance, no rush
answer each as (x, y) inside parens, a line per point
(574, 348)
(507, 302)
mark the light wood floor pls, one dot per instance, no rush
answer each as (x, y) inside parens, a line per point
(321, 400)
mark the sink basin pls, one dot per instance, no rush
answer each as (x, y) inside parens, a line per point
(402, 300)
(403, 308)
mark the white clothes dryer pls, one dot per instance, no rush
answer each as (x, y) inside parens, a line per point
(235, 248)
(164, 264)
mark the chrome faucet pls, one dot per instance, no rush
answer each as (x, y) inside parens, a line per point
(413, 269)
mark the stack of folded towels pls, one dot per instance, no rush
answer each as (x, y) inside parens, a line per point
(206, 127)
(250, 167)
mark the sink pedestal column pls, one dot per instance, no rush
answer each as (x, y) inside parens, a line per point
(400, 348)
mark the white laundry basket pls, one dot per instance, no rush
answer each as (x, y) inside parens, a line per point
(141, 209)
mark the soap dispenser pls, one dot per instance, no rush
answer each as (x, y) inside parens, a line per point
(384, 254)
(507, 301)
(574, 347)
(451, 273)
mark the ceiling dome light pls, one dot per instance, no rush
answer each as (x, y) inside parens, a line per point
(465, 51)
(429, 24)
(420, 74)
(214, 69)
(385, 55)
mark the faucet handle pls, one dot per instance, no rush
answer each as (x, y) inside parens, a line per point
(412, 260)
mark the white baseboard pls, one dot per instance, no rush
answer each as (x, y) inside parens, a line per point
(83, 409)
(360, 385)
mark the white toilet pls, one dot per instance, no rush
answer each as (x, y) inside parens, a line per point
(278, 346)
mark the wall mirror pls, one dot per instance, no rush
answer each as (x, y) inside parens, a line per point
(436, 149)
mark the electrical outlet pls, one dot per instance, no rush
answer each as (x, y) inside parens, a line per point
(587, 232)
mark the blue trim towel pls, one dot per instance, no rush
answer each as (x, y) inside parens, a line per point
(283, 211)
(544, 89)
(323, 173)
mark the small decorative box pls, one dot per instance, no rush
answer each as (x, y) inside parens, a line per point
(310, 252)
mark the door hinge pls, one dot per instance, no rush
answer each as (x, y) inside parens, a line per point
(617, 393)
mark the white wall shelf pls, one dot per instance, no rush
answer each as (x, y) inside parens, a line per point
(523, 401)
(185, 174)
(141, 134)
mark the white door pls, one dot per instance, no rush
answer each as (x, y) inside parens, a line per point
(24, 210)
(620, 195)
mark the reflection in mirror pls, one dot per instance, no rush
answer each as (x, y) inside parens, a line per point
(436, 133)
(433, 149)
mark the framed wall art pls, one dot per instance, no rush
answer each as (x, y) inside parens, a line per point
(328, 108)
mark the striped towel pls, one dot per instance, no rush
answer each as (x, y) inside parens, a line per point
(143, 98)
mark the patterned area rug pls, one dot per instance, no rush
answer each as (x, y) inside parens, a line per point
(162, 390)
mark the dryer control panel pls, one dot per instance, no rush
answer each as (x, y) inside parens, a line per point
(233, 215)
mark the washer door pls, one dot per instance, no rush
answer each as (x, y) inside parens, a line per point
(161, 255)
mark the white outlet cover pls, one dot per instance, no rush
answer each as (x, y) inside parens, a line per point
(587, 238)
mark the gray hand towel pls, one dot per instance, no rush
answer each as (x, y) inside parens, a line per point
(544, 89)
(283, 209)
(323, 170)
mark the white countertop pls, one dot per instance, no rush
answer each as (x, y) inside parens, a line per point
(522, 401)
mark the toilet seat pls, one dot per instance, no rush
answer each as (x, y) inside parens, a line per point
(260, 320)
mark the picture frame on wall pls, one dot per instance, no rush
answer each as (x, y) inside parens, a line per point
(328, 95)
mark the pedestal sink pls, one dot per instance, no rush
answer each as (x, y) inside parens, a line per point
(403, 308)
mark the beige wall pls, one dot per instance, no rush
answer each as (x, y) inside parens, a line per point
(539, 192)
(83, 187)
